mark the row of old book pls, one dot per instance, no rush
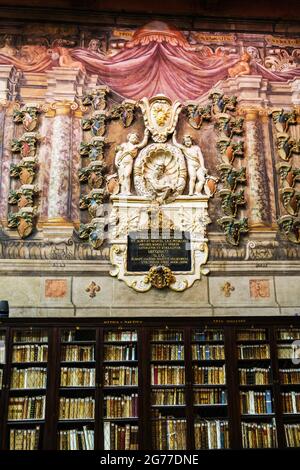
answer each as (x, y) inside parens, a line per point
(76, 408)
(167, 352)
(123, 406)
(75, 439)
(164, 375)
(30, 353)
(255, 351)
(167, 335)
(291, 402)
(32, 377)
(208, 335)
(255, 334)
(288, 334)
(256, 402)
(255, 376)
(22, 408)
(168, 433)
(120, 336)
(77, 352)
(122, 375)
(292, 435)
(174, 396)
(38, 336)
(77, 377)
(208, 352)
(120, 353)
(289, 376)
(24, 439)
(259, 435)
(210, 396)
(209, 375)
(211, 434)
(287, 351)
(120, 437)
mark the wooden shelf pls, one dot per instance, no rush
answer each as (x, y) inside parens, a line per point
(148, 413)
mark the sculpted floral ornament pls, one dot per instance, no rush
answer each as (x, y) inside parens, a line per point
(96, 123)
(124, 112)
(231, 177)
(230, 150)
(94, 202)
(222, 103)
(160, 116)
(289, 176)
(94, 150)
(228, 126)
(197, 114)
(233, 228)
(25, 170)
(92, 289)
(290, 226)
(290, 200)
(231, 201)
(93, 174)
(22, 221)
(93, 232)
(96, 98)
(28, 116)
(26, 145)
(23, 196)
(283, 119)
(160, 277)
(287, 146)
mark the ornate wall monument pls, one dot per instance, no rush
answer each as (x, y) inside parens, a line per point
(174, 191)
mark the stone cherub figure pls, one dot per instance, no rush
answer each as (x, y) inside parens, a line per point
(125, 154)
(195, 164)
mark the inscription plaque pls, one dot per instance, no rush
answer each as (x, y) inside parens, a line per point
(145, 250)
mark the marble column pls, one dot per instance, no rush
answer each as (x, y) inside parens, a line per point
(6, 136)
(266, 127)
(257, 202)
(64, 88)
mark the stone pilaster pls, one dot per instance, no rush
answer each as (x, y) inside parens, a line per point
(64, 89)
(255, 174)
(8, 82)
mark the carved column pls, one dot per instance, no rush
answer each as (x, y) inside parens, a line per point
(257, 199)
(58, 211)
(64, 88)
(7, 131)
(267, 147)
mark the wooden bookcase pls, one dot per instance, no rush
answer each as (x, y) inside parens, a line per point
(161, 384)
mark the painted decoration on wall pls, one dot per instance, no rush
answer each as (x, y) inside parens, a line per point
(157, 58)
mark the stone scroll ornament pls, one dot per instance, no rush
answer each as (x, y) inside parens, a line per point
(93, 173)
(289, 174)
(230, 147)
(24, 197)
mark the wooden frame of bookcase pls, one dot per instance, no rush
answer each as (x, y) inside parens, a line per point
(144, 326)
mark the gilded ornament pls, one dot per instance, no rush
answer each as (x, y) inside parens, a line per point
(160, 277)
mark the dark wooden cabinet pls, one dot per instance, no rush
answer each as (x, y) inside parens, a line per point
(161, 384)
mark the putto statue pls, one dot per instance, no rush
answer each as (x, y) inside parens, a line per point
(125, 154)
(195, 164)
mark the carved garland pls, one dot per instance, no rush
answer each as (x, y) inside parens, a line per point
(24, 197)
(222, 111)
(289, 173)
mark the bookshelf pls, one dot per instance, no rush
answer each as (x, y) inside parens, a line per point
(144, 383)
(288, 355)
